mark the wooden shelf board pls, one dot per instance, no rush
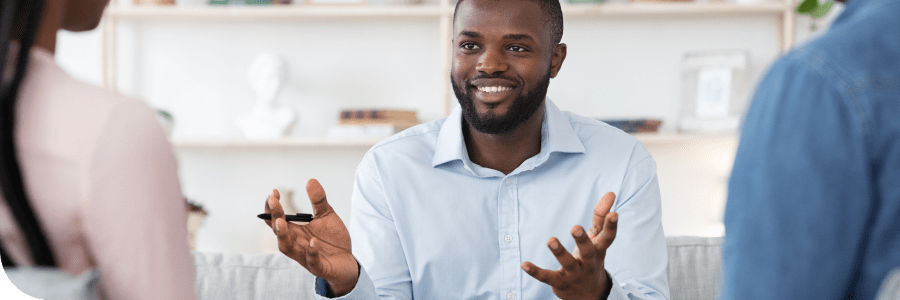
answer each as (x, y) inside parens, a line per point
(302, 11)
(279, 143)
(272, 12)
(681, 138)
(646, 138)
(669, 8)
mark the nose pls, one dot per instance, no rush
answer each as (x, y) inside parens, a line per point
(492, 61)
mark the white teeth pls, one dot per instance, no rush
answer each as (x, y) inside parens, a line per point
(494, 89)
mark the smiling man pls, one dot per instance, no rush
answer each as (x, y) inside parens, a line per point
(462, 207)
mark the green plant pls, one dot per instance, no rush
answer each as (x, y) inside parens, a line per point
(813, 8)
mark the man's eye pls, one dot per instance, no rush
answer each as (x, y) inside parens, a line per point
(469, 46)
(517, 49)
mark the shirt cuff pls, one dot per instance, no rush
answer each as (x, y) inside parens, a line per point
(629, 292)
(364, 289)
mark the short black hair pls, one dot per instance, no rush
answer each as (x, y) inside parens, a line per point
(553, 17)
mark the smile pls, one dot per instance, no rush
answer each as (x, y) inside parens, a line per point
(494, 89)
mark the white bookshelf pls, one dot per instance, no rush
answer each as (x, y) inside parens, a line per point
(442, 13)
(277, 143)
(433, 11)
(313, 142)
(224, 12)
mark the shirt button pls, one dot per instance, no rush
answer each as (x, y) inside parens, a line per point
(508, 238)
(507, 183)
(510, 296)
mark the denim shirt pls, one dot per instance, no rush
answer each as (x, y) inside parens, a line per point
(813, 207)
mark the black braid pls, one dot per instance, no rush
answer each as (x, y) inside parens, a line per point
(18, 16)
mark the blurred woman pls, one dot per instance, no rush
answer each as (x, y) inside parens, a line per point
(93, 166)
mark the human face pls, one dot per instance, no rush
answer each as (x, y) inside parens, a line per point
(502, 64)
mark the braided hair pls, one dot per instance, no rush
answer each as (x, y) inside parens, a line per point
(19, 20)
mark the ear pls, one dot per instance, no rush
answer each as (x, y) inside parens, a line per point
(559, 55)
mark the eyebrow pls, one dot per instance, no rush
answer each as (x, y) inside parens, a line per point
(511, 36)
(518, 36)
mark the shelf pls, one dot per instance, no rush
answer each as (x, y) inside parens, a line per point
(273, 12)
(646, 138)
(279, 143)
(427, 11)
(682, 138)
(649, 9)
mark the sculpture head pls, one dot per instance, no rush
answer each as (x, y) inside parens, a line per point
(267, 73)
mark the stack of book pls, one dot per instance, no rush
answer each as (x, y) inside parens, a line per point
(372, 123)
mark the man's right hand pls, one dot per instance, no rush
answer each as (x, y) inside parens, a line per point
(322, 246)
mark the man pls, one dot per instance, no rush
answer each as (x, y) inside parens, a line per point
(814, 199)
(459, 208)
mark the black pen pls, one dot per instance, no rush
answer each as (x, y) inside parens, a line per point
(291, 218)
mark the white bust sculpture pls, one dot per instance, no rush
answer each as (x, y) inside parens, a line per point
(266, 120)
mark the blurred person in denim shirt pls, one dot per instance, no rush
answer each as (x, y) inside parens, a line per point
(814, 197)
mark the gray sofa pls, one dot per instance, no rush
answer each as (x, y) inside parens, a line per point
(693, 273)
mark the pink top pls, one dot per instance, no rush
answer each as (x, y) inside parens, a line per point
(102, 180)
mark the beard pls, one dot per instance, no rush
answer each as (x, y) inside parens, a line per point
(522, 108)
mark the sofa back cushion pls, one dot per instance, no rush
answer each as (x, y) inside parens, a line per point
(693, 269)
(222, 276)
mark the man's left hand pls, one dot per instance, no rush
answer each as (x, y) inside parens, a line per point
(582, 274)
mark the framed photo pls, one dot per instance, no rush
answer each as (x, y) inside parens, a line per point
(715, 87)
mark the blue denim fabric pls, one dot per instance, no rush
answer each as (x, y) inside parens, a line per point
(814, 198)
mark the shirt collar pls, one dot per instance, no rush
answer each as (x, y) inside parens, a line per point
(557, 135)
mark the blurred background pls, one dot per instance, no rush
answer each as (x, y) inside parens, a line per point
(677, 73)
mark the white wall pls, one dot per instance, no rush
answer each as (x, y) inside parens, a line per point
(620, 67)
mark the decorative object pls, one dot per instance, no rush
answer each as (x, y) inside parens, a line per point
(662, 0)
(372, 123)
(327, 2)
(635, 125)
(813, 8)
(378, 116)
(266, 120)
(405, 2)
(153, 2)
(195, 216)
(714, 91)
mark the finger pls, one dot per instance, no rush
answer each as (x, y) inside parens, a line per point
(312, 258)
(566, 260)
(290, 242)
(267, 209)
(274, 204)
(551, 278)
(605, 239)
(317, 197)
(600, 211)
(586, 250)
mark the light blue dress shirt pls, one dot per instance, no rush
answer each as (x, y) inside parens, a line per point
(427, 223)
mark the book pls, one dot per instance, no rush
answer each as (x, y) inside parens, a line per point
(636, 125)
(378, 116)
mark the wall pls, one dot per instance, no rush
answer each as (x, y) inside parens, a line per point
(620, 67)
